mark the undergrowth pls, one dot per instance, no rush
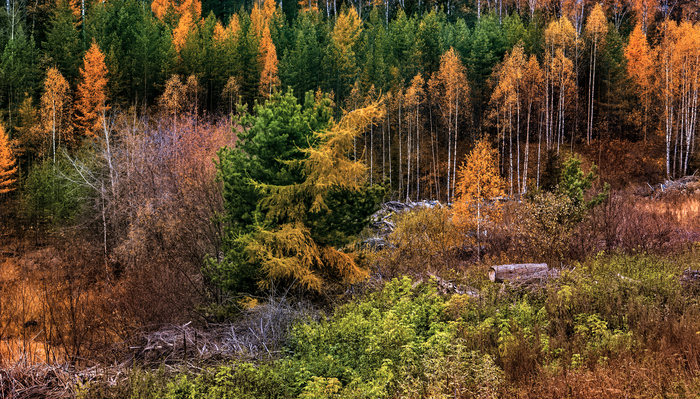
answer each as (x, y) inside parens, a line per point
(606, 319)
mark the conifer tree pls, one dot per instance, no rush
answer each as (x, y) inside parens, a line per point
(55, 103)
(293, 196)
(8, 164)
(19, 72)
(640, 68)
(449, 87)
(91, 94)
(63, 42)
(292, 250)
(269, 78)
(596, 30)
(478, 185)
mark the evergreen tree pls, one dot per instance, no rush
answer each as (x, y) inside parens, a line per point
(19, 73)
(269, 139)
(302, 65)
(63, 42)
(292, 195)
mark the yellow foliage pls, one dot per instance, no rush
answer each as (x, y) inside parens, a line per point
(347, 29)
(160, 7)
(184, 27)
(289, 252)
(222, 35)
(55, 102)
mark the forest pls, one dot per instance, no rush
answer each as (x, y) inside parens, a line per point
(261, 199)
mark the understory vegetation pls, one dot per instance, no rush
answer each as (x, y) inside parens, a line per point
(614, 326)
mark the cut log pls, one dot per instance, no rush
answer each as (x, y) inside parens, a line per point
(522, 271)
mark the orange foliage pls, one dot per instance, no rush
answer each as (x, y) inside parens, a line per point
(261, 16)
(268, 78)
(160, 7)
(193, 7)
(222, 34)
(190, 12)
(640, 67)
(91, 92)
(479, 183)
(8, 165)
(184, 27)
(449, 87)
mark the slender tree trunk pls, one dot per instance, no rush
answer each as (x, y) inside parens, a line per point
(527, 146)
(400, 155)
(417, 153)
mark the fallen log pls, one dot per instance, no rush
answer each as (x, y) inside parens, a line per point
(521, 272)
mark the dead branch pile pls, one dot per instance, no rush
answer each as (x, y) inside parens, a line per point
(26, 380)
(683, 185)
(259, 334)
(381, 222)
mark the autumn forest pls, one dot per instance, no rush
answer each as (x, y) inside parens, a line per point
(251, 198)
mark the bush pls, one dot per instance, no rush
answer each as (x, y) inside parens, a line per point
(423, 240)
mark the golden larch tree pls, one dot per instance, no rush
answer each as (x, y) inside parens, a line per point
(223, 34)
(596, 30)
(533, 88)
(347, 29)
(479, 186)
(160, 7)
(269, 78)
(680, 73)
(449, 88)
(190, 12)
(55, 102)
(561, 41)
(506, 102)
(289, 251)
(91, 95)
(640, 67)
(261, 15)
(8, 164)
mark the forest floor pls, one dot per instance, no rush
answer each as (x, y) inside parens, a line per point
(60, 327)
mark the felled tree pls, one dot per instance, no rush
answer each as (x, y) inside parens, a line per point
(293, 196)
(8, 165)
(478, 184)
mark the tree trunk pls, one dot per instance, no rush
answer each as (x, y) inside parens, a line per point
(523, 271)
